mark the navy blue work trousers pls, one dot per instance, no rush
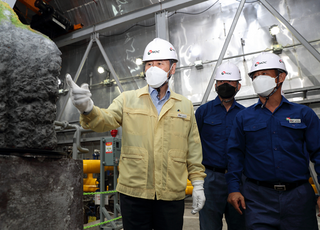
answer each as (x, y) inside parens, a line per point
(143, 214)
(216, 193)
(269, 209)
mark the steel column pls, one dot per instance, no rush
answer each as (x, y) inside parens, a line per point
(223, 51)
(162, 29)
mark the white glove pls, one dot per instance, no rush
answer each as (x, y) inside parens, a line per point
(198, 196)
(80, 96)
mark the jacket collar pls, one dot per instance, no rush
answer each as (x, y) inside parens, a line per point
(217, 102)
(283, 100)
(145, 91)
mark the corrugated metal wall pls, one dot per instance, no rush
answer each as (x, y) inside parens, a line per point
(196, 36)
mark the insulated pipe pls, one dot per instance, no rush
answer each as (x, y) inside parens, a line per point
(223, 51)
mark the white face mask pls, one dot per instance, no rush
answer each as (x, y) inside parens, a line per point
(156, 77)
(263, 85)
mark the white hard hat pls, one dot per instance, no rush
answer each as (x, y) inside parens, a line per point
(228, 72)
(267, 61)
(159, 49)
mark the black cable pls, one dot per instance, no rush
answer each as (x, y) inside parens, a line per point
(177, 12)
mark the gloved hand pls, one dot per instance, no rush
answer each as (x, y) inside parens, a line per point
(198, 196)
(80, 96)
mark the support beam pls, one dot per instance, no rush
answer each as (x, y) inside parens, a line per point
(105, 56)
(223, 51)
(124, 20)
(84, 58)
(162, 28)
(281, 19)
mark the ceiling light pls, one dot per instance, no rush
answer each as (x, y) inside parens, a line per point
(274, 29)
(139, 61)
(196, 51)
(100, 69)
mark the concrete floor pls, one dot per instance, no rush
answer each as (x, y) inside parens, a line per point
(191, 222)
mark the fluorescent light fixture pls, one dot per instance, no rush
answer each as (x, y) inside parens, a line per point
(274, 29)
(100, 69)
(139, 61)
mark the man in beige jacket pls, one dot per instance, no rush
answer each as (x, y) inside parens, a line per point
(161, 147)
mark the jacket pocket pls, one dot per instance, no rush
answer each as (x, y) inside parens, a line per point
(292, 132)
(133, 166)
(177, 172)
(212, 129)
(180, 126)
(135, 122)
(256, 135)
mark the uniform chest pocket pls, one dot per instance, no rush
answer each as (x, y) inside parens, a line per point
(180, 125)
(136, 122)
(292, 131)
(212, 129)
(256, 135)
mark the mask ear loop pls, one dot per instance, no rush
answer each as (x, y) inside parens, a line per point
(236, 91)
(273, 91)
(158, 89)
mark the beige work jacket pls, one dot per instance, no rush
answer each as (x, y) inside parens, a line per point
(158, 153)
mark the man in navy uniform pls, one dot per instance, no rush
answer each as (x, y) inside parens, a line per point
(271, 142)
(214, 121)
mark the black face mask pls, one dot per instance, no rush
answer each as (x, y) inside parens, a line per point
(226, 91)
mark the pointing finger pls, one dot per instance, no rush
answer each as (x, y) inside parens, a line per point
(70, 82)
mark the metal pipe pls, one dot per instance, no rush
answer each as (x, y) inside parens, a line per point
(108, 62)
(84, 58)
(295, 33)
(76, 137)
(93, 166)
(223, 51)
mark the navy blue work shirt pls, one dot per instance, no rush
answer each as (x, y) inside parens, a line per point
(273, 147)
(214, 124)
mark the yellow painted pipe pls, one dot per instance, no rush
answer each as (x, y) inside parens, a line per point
(93, 166)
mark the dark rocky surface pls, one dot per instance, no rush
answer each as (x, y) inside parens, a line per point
(29, 67)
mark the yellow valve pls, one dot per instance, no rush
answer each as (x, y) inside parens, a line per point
(90, 184)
